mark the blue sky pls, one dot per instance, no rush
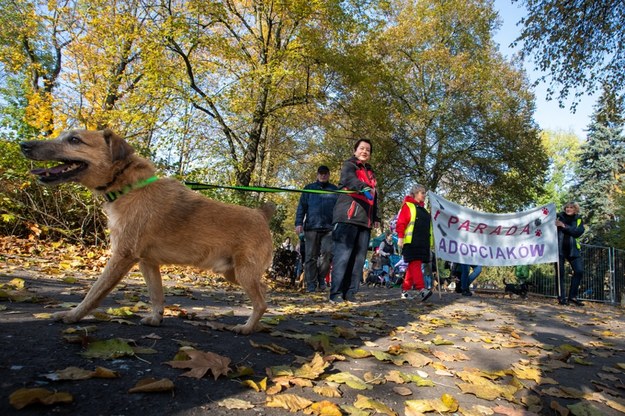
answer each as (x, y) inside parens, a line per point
(549, 115)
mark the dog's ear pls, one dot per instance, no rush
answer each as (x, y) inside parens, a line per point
(120, 149)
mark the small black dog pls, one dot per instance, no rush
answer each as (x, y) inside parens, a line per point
(376, 278)
(514, 289)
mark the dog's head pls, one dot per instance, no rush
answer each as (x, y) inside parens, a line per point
(87, 156)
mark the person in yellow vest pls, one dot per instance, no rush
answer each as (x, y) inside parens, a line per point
(414, 230)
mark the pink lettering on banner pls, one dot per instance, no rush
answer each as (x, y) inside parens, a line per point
(465, 226)
(480, 228)
(452, 220)
(496, 231)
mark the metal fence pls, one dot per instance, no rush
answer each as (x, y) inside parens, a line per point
(603, 279)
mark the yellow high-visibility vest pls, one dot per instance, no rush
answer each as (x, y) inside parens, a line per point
(410, 228)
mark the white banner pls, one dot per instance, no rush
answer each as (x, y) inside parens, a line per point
(467, 236)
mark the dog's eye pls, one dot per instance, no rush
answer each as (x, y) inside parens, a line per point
(74, 140)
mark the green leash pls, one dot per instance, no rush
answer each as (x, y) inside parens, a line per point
(199, 186)
(113, 195)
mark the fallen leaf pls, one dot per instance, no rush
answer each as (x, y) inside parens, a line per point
(25, 397)
(271, 347)
(151, 385)
(327, 391)
(291, 402)
(323, 408)
(562, 411)
(350, 380)
(260, 386)
(235, 404)
(402, 391)
(108, 350)
(201, 362)
(584, 409)
(364, 402)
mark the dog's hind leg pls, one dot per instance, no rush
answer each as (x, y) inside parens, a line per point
(249, 277)
(115, 270)
(152, 274)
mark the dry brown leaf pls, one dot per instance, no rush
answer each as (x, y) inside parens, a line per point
(201, 362)
(562, 411)
(152, 385)
(271, 347)
(291, 402)
(25, 397)
(395, 376)
(235, 404)
(102, 372)
(563, 392)
(327, 391)
(371, 378)
(443, 356)
(416, 359)
(510, 411)
(402, 391)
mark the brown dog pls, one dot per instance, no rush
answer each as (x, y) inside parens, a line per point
(154, 222)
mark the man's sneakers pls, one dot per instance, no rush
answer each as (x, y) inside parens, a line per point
(405, 295)
(422, 295)
(575, 302)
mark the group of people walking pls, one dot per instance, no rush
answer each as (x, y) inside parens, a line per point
(336, 228)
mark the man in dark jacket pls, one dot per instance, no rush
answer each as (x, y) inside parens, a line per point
(314, 219)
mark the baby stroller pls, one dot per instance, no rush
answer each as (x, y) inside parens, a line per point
(397, 272)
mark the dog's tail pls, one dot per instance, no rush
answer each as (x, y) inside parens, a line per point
(504, 282)
(268, 209)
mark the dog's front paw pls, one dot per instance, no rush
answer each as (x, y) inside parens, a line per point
(152, 320)
(65, 316)
(248, 329)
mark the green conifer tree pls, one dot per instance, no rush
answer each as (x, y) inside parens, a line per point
(601, 167)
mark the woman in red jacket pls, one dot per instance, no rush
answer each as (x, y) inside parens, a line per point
(413, 229)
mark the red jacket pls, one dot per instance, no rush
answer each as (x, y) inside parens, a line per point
(355, 208)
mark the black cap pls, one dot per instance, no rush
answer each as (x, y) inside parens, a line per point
(323, 169)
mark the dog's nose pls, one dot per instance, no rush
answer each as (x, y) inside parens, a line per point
(26, 147)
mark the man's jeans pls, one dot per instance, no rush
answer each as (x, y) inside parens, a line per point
(350, 250)
(578, 271)
(465, 278)
(317, 258)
